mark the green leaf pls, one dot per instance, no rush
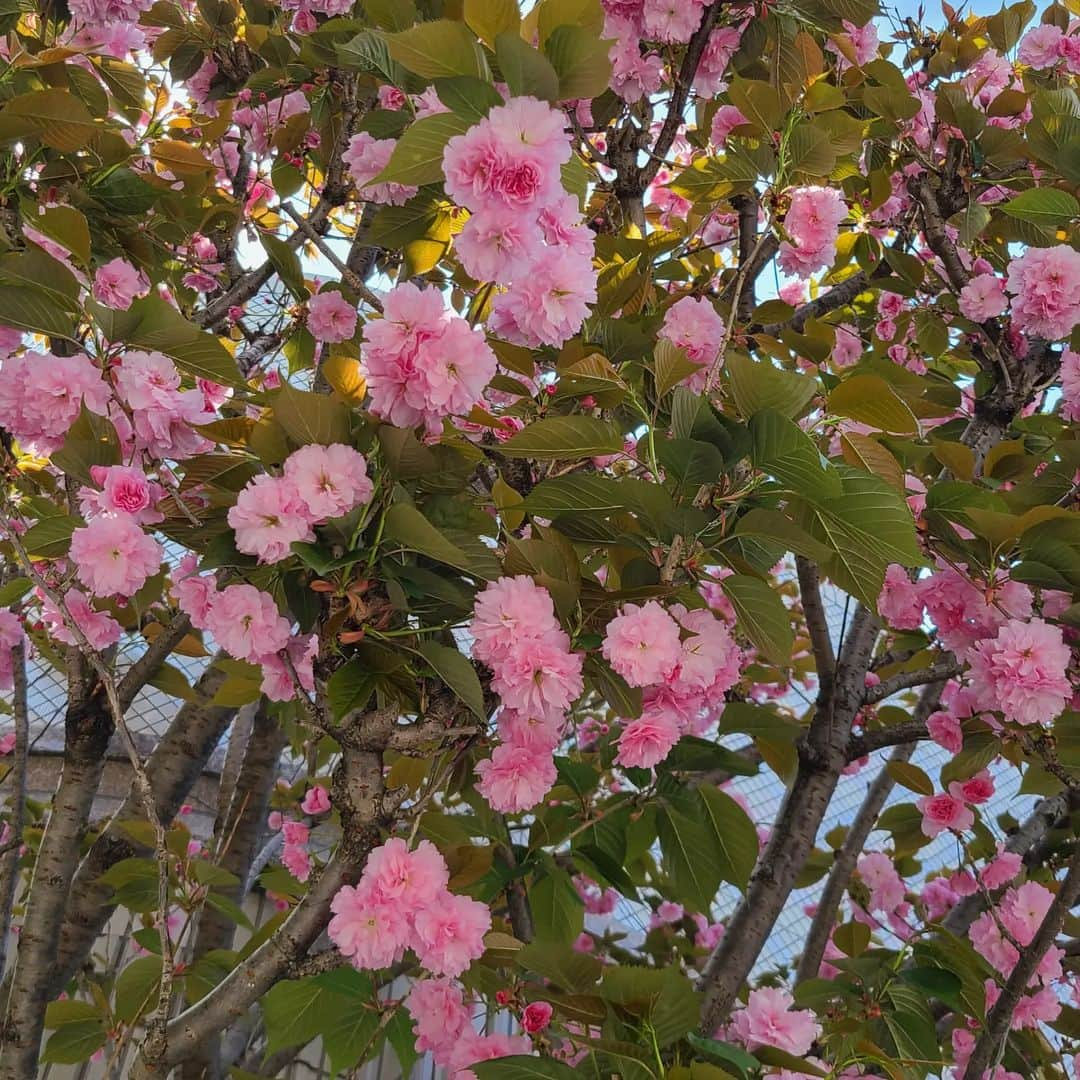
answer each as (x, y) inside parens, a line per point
(774, 525)
(670, 366)
(293, 1013)
(690, 462)
(408, 527)
(490, 18)
(869, 399)
(308, 417)
(781, 1059)
(1047, 208)
(783, 450)
(690, 858)
(458, 673)
(74, 1042)
(54, 116)
(523, 1067)
(136, 989)
(937, 982)
(469, 98)
(12, 591)
(153, 324)
(558, 912)
(50, 538)
(735, 838)
(399, 1034)
(349, 688)
(910, 776)
(91, 440)
(348, 1032)
(665, 996)
(762, 616)
(735, 1059)
(417, 158)
(868, 527)
(757, 385)
(134, 882)
(580, 59)
(525, 70)
(438, 50)
(286, 262)
(564, 438)
(561, 964)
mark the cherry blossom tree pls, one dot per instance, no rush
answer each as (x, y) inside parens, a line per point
(481, 405)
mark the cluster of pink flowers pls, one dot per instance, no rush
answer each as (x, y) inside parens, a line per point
(317, 483)
(246, 623)
(162, 415)
(443, 1026)
(1021, 672)
(812, 223)
(106, 12)
(98, 627)
(1018, 664)
(11, 635)
(995, 935)
(669, 21)
(423, 362)
(41, 394)
(982, 298)
(122, 489)
(948, 810)
(684, 680)
(634, 74)
(524, 231)
(294, 849)
(1045, 283)
(536, 675)
(768, 1019)
(1046, 45)
(863, 42)
(265, 118)
(366, 157)
(113, 556)
(693, 325)
(402, 902)
(118, 283)
(331, 317)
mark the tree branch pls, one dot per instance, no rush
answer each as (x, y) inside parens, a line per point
(148, 665)
(817, 624)
(9, 862)
(907, 679)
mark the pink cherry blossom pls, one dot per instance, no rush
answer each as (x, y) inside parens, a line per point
(1023, 909)
(331, 317)
(982, 298)
(642, 643)
(11, 635)
(515, 778)
(848, 346)
(548, 306)
(268, 517)
(812, 222)
(727, 118)
(439, 1015)
(540, 676)
(498, 244)
(1022, 672)
(330, 480)
(879, 875)
(41, 394)
(113, 556)
(945, 730)
(768, 1019)
(646, 741)
(450, 933)
(371, 932)
(1001, 869)
(1040, 47)
(277, 680)
(536, 1017)
(975, 790)
(366, 157)
(944, 811)
(118, 283)
(693, 325)
(316, 801)
(900, 603)
(98, 627)
(411, 879)
(507, 610)
(245, 622)
(1046, 284)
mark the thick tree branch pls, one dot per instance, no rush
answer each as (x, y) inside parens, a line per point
(817, 623)
(854, 843)
(149, 663)
(990, 1044)
(9, 862)
(176, 763)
